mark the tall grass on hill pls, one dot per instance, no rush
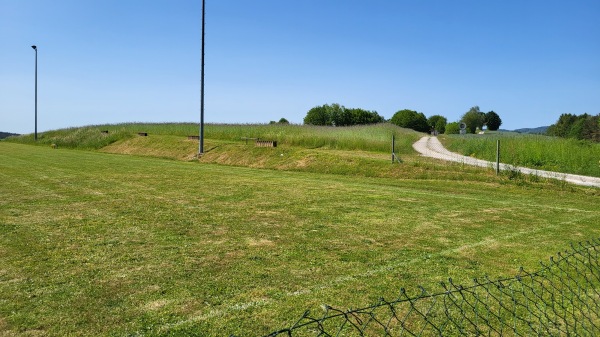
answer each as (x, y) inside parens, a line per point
(533, 151)
(171, 129)
(83, 138)
(365, 137)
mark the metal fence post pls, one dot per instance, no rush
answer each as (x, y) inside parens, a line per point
(498, 157)
(393, 147)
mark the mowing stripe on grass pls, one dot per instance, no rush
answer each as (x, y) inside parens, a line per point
(366, 274)
(144, 245)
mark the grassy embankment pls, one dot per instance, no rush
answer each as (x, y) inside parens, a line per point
(368, 138)
(533, 151)
(352, 150)
(103, 244)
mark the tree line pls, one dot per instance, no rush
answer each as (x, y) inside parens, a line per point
(584, 127)
(338, 115)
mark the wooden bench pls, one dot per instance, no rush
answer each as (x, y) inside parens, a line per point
(143, 134)
(194, 137)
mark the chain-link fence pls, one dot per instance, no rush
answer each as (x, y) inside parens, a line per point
(560, 299)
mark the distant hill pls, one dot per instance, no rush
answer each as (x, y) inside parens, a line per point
(7, 134)
(538, 130)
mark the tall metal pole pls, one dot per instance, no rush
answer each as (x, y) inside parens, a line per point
(201, 143)
(35, 134)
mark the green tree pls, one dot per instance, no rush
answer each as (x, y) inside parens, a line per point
(474, 119)
(411, 119)
(562, 128)
(283, 121)
(591, 128)
(361, 116)
(318, 115)
(579, 127)
(576, 129)
(493, 121)
(338, 115)
(437, 123)
(452, 128)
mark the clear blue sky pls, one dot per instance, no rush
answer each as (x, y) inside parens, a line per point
(113, 61)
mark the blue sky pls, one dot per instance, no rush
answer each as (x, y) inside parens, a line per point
(114, 61)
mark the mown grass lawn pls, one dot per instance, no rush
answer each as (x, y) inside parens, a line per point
(102, 244)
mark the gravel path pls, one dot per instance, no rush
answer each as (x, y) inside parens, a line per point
(431, 147)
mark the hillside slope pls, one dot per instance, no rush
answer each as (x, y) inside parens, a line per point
(359, 150)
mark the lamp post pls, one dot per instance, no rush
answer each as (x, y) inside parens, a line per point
(201, 140)
(35, 48)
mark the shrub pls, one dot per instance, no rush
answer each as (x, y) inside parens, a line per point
(452, 128)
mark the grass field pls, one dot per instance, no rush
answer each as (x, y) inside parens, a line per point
(97, 243)
(533, 151)
(367, 138)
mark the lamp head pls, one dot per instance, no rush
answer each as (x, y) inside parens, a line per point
(34, 47)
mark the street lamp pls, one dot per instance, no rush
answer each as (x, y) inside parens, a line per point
(201, 141)
(35, 48)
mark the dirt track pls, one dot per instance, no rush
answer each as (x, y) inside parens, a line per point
(431, 147)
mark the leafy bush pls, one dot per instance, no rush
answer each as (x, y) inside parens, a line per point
(452, 128)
